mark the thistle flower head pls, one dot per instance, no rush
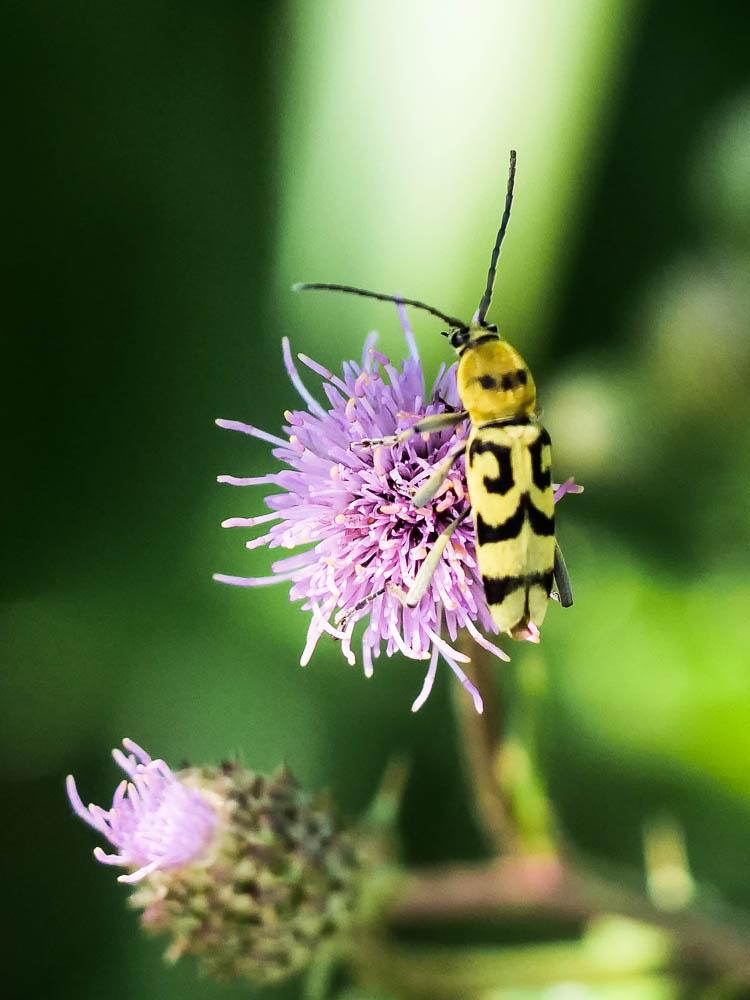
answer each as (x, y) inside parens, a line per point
(156, 821)
(353, 510)
(249, 873)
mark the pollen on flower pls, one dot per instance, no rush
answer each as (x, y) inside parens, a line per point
(155, 821)
(353, 507)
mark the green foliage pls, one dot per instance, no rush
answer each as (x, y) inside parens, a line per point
(162, 165)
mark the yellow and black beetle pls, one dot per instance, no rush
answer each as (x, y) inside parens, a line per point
(508, 463)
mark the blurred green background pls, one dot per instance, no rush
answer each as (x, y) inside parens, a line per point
(170, 170)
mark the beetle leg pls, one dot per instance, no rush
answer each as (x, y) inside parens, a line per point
(430, 487)
(428, 425)
(562, 580)
(427, 570)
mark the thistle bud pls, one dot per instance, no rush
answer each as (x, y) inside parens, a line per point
(248, 873)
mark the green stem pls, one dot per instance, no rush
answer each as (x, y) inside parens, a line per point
(550, 888)
(515, 764)
(480, 737)
(499, 747)
(605, 955)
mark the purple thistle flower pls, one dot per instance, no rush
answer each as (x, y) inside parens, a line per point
(155, 822)
(353, 507)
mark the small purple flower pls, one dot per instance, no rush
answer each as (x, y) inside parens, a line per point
(353, 508)
(156, 821)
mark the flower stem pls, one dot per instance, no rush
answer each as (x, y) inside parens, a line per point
(561, 891)
(617, 951)
(480, 738)
(515, 763)
(499, 748)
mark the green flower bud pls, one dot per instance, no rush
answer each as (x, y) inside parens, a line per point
(280, 878)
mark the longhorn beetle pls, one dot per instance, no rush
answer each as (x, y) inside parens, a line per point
(508, 462)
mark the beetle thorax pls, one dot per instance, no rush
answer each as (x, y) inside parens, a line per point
(494, 382)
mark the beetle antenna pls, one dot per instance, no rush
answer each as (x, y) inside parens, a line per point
(316, 286)
(484, 305)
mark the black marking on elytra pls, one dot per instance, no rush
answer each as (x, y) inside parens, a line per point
(542, 477)
(540, 523)
(508, 382)
(543, 580)
(487, 381)
(511, 528)
(504, 481)
(522, 376)
(498, 588)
